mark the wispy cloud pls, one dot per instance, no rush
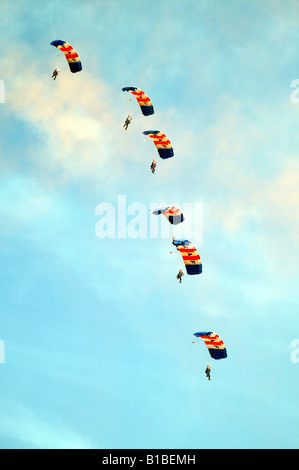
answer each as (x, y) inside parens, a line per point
(73, 122)
(22, 424)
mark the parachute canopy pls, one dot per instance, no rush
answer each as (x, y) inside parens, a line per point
(190, 256)
(173, 214)
(214, 344)
(70, 54)
(161, 142)
(143, 100)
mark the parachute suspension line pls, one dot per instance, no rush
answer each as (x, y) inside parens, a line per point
(128, 111)
(125, 106)
(64, 68)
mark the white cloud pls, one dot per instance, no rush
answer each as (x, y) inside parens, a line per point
(73, 120)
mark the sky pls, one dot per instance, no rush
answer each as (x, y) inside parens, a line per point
(96, 332)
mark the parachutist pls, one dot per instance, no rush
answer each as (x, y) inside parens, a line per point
(55, 73)
(180, 275)
(208, 371)
(127, 122)
(153, 166)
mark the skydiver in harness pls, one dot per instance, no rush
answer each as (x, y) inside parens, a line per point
(55, 73)
(127, 121)
(180, 275)
(153, 166)
(208, 371)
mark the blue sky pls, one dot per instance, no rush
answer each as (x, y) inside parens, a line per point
(98, 333)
